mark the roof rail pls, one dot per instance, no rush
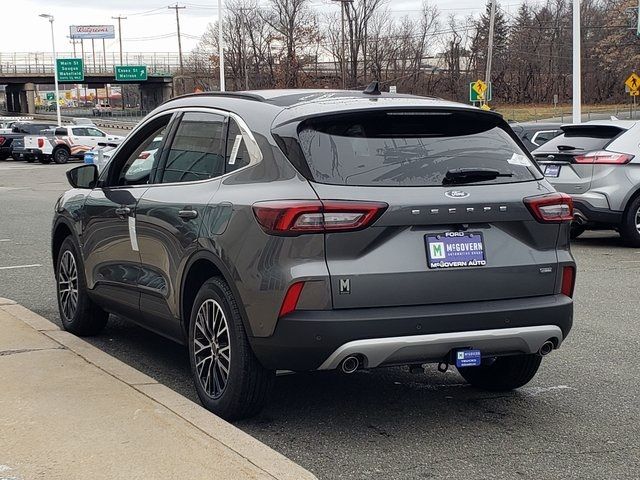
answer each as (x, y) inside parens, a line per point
(245, 96)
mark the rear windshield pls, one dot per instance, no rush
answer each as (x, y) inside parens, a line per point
(586, 138)
(410, 148)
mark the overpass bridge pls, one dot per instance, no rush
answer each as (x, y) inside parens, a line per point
(20, 72)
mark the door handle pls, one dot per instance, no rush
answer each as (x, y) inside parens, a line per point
(123, 211)
(188, 214)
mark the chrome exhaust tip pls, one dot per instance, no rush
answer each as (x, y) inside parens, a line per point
(350, 364)
(546, 348)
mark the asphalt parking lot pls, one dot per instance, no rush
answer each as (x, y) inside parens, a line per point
(579, 418)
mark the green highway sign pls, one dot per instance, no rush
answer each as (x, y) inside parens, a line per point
(131, 73)
(70, 70)
(474, 96)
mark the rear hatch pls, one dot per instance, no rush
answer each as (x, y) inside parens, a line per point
(567, 160)
(444, 237)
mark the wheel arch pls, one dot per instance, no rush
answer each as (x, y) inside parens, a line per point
(61, 230)
(202, 266)
(631, 196)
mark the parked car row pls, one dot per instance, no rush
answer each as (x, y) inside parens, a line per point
(46, 142)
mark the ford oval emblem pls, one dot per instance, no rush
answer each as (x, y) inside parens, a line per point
(456, 194)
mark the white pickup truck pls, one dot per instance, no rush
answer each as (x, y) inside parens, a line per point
(62, 143)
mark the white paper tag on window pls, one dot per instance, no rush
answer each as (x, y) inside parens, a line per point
(234, 150)
(133, 235)
(517, 159)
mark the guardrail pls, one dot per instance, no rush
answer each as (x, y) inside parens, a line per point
(158, 63)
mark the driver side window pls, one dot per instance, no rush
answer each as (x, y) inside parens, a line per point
(137, 158)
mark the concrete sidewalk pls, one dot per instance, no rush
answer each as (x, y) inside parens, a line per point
(70, 411)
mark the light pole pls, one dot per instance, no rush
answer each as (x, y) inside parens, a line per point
(221, 45)
(55, 65)
(577, 84)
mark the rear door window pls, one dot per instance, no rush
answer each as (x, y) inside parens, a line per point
(410, 148)
(198, 149)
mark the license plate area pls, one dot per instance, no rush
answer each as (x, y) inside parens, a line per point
(468, 358)
(552, 171)
(455, 250)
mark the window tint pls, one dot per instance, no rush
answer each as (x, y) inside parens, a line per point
(141, 154)
(540, 138)
(80, 132)
(93, 132)
(198, 148)
(237, 154)
(410, 148)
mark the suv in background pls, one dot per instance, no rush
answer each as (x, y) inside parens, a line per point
(320, 230)
(597, 163)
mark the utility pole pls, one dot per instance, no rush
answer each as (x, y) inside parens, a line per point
(492, 27)
(177, 8)
(221, 45)
(577, 84)
(120, 18)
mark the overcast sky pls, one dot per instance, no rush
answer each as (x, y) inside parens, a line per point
(151, 26)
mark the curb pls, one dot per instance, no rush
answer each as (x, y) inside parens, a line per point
(263, 457)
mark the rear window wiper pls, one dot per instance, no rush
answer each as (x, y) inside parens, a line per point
(470, 175)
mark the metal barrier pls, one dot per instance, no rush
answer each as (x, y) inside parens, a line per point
(159, 63)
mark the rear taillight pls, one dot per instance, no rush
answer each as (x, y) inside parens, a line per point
(604, 157)
(568, 281)
(295, 217)
(40, 142)
(290, 301)
(2, 140)
(551, 208)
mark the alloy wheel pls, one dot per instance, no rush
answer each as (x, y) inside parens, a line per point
(68, 285)
(211, 348)
(638, 220)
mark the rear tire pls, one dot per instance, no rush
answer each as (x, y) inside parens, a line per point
(504, 374)
(61, 155)
(78, 313)
(630, 230)
(229, 380)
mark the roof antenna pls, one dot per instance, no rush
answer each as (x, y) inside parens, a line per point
(373, 88)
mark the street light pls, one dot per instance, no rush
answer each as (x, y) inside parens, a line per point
(55, 64)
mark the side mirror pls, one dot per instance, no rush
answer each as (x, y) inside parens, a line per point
(84, 176)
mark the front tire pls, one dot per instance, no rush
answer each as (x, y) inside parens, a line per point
(229, 380)
(504, 374)
(78, 313)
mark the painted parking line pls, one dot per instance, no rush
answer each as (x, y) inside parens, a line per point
(12, 267)
(5, 239)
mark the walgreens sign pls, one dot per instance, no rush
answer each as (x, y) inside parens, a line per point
(84, 32)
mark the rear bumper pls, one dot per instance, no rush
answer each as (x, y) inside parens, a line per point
(589, 214)
(28, 152)
(311, 340)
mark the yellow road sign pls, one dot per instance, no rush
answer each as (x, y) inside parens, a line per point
(633, 82)
(480, 87)
(634, 93)
(485, 107)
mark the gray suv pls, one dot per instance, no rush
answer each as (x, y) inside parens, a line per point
(320, 230)
(597, 163)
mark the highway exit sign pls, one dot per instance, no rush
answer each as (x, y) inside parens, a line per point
(131, 73)
(70, 70)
